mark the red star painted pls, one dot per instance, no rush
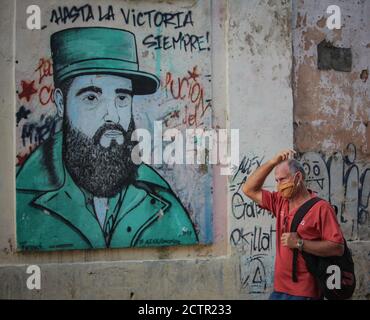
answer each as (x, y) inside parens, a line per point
(193, 74)
(28, 89)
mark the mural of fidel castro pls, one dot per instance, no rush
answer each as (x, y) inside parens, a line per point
(80, 188)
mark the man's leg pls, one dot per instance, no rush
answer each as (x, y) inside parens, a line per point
(277, 296)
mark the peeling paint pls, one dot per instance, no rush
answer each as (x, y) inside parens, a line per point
(364, 75)
(331, 116)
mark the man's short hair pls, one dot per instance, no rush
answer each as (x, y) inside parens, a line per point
(295, 166)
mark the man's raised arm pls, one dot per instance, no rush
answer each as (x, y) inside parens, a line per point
(253, 186)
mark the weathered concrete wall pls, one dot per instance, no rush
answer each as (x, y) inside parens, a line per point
(331, 114)
(260, 101)
(213, 268)
(251, 91)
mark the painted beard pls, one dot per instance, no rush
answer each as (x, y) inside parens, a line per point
(102, 171)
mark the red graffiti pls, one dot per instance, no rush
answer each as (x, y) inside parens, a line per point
(28, 90)
(46, 95)
(45, 90)
(45, 69)
(193, 74)
(189, 90)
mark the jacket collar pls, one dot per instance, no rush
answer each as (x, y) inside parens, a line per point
(71, 205)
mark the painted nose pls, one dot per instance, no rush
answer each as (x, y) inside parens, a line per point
(111, 114)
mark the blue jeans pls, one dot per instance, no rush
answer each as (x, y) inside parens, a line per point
(284, 296)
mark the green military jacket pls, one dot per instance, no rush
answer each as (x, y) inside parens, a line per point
(53, 213)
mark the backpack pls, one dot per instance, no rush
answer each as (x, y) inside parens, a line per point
(322, 268)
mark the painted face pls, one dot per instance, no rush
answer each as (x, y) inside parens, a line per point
(317, 174)
(97, 100)
(97, 129)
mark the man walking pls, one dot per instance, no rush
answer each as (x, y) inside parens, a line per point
(319, 232)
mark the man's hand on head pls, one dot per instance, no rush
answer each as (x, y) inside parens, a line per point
(252, 188)
(282, 156)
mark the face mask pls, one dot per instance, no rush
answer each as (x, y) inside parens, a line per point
(287, 189)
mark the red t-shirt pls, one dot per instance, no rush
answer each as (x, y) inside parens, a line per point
(320, 223)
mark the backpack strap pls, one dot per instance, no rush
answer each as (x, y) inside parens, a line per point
(298, 217)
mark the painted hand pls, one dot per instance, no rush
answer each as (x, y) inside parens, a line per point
(289, 240)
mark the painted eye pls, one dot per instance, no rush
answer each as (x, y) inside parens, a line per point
(122, 101)
(316, 170)
(91, 98)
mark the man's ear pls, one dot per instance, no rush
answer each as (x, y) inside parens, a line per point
(59, 101)
(300, 177)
